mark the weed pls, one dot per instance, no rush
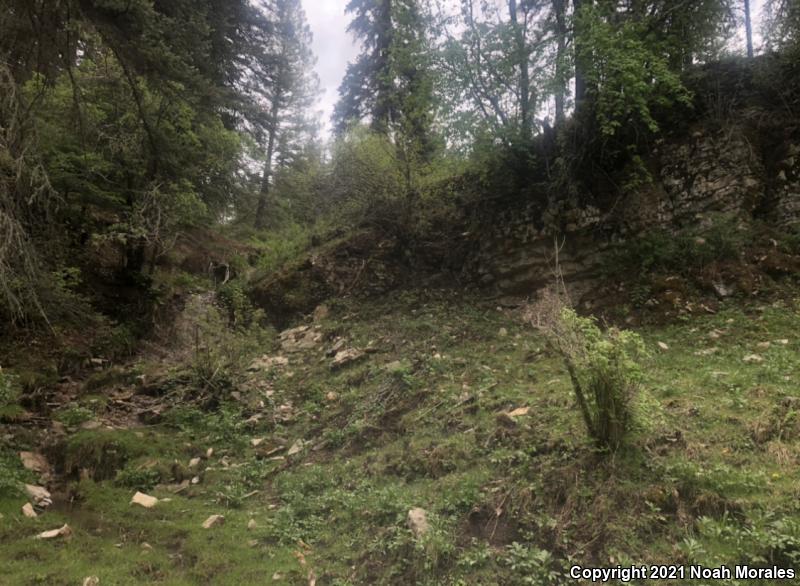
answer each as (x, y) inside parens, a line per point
(73, 415)
(12, 474)
(9, 391)
(142, 479)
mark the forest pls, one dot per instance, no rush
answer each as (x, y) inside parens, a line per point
(521, 295)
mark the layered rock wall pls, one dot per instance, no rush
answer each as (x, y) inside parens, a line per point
(701, 179)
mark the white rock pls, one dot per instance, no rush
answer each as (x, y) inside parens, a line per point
(663, 346)
(194, 462)
(256, 441)
(91, 581)
(34, 462)
(27, 510)
(40, 495)
(296, 448)
(519, 412)
(144, 500)
(753, 359)
(345, 357)
(418, 522)
(213, 521)
(251, 524)
(268, 363)
(64, 531)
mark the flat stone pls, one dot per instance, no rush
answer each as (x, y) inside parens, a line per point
(345, 357)
(64, 531)
(144, 500)
(213, 521)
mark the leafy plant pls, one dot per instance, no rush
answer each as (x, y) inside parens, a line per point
(143, 479)
(603, 367)
(74, 414)
(8, 390)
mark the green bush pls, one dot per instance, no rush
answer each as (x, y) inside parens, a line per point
(143, 479)
(12, 474)
(603, 367)
(8, 390)
(661, 251)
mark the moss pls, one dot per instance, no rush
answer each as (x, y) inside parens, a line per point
(104, 452)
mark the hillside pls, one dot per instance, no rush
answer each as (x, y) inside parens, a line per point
(399, 292)
(330, 433)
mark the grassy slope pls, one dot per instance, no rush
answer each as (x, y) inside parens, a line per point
(711, 476)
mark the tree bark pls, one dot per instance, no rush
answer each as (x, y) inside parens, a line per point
(524, 73)
(748, 23)
(580, 74)
(560, 8)
(263, 199)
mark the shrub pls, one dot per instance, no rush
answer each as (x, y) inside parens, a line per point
(8, 390)
(602, 365)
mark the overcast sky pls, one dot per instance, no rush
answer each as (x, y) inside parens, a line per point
(334, 47)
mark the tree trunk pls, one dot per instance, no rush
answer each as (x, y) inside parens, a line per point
(580, 74)
(263, 199)
(383, 109)
(560, 8)
(524, 73)
(748, 23)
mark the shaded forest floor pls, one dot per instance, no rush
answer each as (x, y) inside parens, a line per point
(315, 444)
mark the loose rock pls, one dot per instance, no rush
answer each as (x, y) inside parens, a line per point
(213, 521)
(27, 510)
(41, 496)
(519, 412)
(296, 448)
(418, 522)
(34, 462)
(64, 531)
(144, 500)
(345, 357)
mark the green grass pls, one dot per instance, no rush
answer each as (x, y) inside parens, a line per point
(709, 476)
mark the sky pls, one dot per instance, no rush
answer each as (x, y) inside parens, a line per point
(335, 47)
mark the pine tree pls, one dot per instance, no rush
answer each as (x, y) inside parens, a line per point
(390, 81)
(289, 88)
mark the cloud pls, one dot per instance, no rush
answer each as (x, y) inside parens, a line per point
(334, 49)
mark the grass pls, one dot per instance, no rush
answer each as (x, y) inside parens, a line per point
(710, 475)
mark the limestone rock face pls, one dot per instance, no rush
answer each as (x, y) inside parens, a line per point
(701, 178)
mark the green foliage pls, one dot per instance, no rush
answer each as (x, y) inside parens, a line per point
(367, 182)
(233, 297)
(604, 367)
(73, 415)
(9, 392)
(532, 566)
(12, 474)
(660, 251)
(281, 246)
(138, 478)
(628, 77)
